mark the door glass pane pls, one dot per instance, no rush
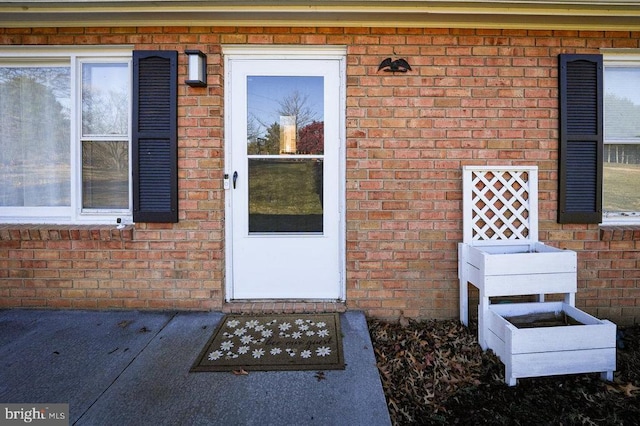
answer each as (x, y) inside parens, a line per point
(285, 195)
(285, 118)
(35, 136)
(285, 115)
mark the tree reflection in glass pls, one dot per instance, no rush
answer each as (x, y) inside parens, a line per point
(285, 146)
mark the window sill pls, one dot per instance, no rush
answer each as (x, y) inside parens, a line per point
(619, 232)
(65, 232)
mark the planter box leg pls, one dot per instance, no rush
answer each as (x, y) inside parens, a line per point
(570, 299)
(607, 375)
(483, 312)
(464, 285)
(464, 301)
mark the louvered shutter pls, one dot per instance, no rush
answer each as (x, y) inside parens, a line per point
(581, 139)
(155, 148)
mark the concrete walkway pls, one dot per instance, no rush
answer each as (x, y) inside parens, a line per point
(132, 368)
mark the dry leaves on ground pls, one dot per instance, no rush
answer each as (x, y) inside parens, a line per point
(434, 372)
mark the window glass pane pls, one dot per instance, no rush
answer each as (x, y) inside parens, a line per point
(621, 178)
(105, 99)
(622, 103)
(285, 195)
(105, 171)
(34, 136)
(285, 115)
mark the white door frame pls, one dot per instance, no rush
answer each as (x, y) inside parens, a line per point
(244, 52)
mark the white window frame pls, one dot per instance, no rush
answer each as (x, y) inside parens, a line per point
(619, 58)
(73, 57)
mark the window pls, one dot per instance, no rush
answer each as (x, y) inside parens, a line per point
(34, 136)
(621, 157)
(599, 161)
(105, 136)
(65, 135)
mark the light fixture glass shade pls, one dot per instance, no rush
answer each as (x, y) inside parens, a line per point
(197, 74)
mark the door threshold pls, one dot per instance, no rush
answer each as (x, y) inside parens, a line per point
(283, 307)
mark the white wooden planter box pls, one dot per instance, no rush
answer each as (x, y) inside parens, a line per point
(501, 256)
(544, 351)
(510, 270)
(515, 270)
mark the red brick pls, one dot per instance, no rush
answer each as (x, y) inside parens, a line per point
(474, 96)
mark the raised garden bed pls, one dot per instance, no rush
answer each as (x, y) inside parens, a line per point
(510, 270)
(501, 256)
(515, 270)
(586, 345)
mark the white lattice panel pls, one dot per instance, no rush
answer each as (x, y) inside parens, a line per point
(500, 204)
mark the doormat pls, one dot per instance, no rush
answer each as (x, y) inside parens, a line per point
(274, 342)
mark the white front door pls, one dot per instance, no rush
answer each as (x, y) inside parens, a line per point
(285, 173)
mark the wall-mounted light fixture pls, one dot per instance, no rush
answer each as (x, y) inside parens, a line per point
(197, 75)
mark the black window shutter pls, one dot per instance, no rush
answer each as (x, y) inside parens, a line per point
(155, 137)
(581, 139)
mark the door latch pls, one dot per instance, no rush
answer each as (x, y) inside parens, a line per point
(235, 178)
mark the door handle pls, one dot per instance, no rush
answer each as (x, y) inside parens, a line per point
(235, 178)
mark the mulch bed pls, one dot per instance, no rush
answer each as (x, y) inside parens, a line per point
(434, 372)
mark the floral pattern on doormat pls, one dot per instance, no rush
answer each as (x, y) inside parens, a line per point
(274, 342)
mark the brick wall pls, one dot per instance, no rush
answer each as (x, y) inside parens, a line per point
(473, 97)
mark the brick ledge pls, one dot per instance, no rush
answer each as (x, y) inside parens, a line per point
(65, 232)
(620, 233)
(282, 307)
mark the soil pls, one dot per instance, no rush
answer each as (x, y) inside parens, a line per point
(434, 372)
(545, 319)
